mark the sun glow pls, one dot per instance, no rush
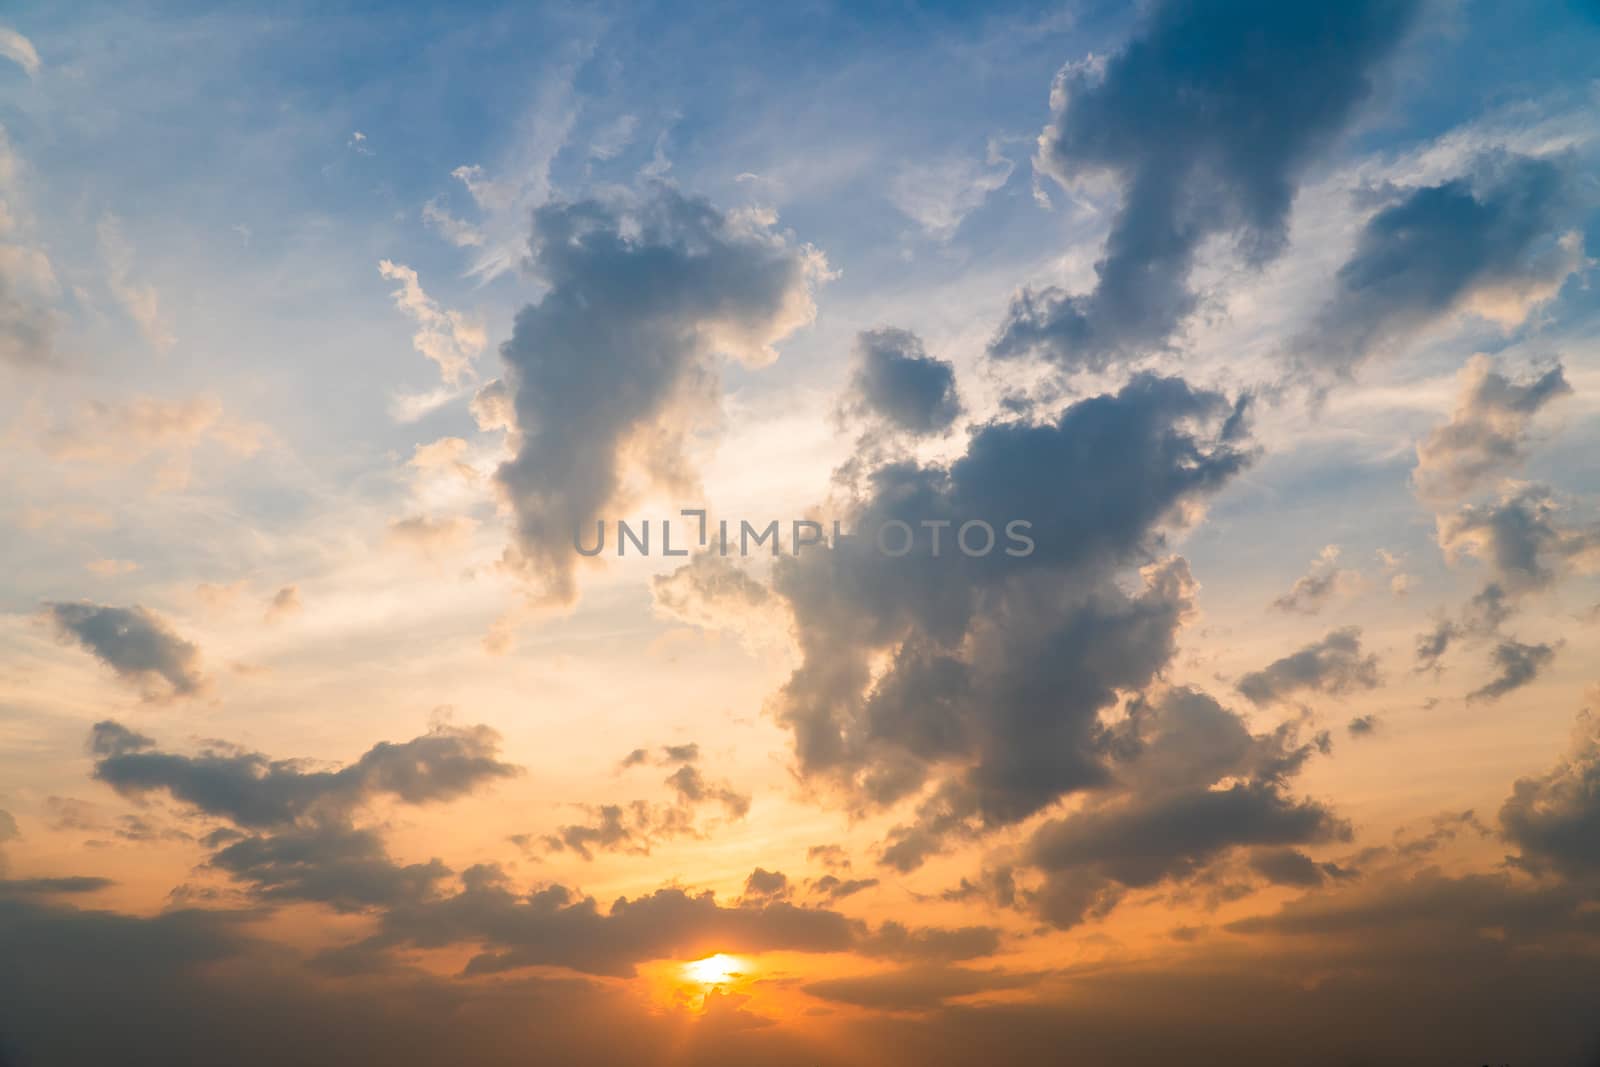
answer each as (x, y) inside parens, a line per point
(714, 970)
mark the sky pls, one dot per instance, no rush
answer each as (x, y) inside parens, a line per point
(1158, 611)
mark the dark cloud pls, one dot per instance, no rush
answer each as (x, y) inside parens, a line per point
(1194, 785)
(253, 791)
(1521, 537)
(1288, 866)
(831, 856)
(1363, 725)
(1209, 117)
(915, 988)
(1482, 617)
(556, 927)
(8, 826)
(835, 888)
(135, 643)
(1554, 818)
(70, 885)
(764, 885)
(1488, 241)
(896, 941)
(998, 664)
(1488, 432)
(898, 381)
(1333, 665)
(1317, 587)
(612, 367)
(346, 868)
(1518, 665)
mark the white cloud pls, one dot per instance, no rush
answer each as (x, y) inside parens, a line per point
(938, 195)
(19, 50)
(448, 338)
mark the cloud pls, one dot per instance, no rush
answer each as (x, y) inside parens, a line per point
(899, 382)
(1518, 665)
(1521, 538)
(1363, 725)
(896, 941)
(764, 885)
(1322, 583)
(29, 322)
(448, 339)
(118, 433)
(1554, 818)
(834, 857)
(432, 536)
(326, 862)
(8, 827)
(616, 364)
(914, 989)
(635, 827)
(70, 885)
(1289, 866)
(1194, 785)
(135, 643)
(554, 926)
(1481, 617)
(835, 888)
(1208, 117)
(141, 301)
(939, 194)
(1333, 665)
(717, 594)
(252, 791)
(19, 50)
(1488, 432)
(1487, 242)
(284, 603)
(995, 667)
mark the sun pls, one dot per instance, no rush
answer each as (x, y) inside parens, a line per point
(714, 970)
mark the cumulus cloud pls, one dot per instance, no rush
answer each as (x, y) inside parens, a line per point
(1488, 432)
(1316, 588)
(136, 643)
(1195, 784)
(897, 381)
(1489, 242)
(1208, 117)
(1521, 538)
(251, 790)
(1333, 665)
(1554, 818)
(995, 666)
(616, 364)
(1518, 665)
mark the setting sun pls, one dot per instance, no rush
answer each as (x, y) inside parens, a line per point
(714, 970)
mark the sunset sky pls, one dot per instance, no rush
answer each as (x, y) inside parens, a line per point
(327, 339)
